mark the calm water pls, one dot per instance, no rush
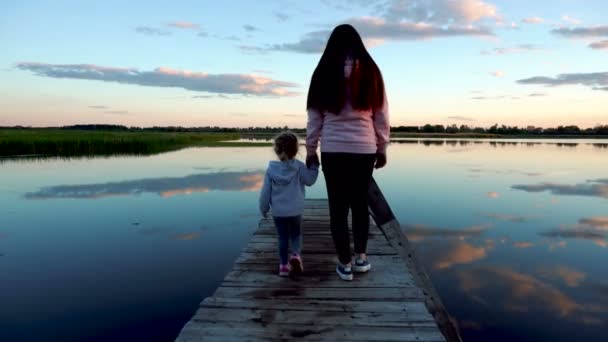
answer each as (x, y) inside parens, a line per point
(513, 235)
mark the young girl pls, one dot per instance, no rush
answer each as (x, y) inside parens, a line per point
(283, 190)
(348, 112)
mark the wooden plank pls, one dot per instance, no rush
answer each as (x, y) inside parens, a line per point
(202, 331)
(418, 309)
(328, 278)
(318, 318)
(321, 293)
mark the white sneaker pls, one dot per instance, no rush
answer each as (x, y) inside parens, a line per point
(362, 266)
(345, 272)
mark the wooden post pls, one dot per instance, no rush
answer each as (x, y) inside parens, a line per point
(385, 220)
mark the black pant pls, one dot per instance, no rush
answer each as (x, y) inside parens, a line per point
(347, 176)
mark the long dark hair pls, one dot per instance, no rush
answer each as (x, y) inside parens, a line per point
(327, 90)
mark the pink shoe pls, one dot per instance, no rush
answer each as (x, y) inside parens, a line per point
(296, 264)
(283, 270)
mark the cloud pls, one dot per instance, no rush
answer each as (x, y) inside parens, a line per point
(570, 19)
(250, 28)
(185, 25)
(165, 186)
(375, 28)
(582, 32)
(312, 42)
(511, 26)
(595, 80)
(536, 94)
(280, 16)
(498, 73)
(440, 11)
(533, 20)
(460, 118)
(523, 48)
(242, 84)
(375, 31)
(601, 45)
(230, 38)
(151, 31)
(594, 188)
(108, 110)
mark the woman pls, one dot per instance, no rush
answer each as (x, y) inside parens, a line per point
(348, 112)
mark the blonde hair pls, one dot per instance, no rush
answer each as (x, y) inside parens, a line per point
(286, 145)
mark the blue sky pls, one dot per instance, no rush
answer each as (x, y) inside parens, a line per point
(248, 63)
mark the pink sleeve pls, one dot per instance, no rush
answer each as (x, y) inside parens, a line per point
(313, 130)
(382, 127)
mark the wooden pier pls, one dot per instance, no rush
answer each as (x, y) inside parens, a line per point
(393, 302)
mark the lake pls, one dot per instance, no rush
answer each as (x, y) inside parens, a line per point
(513, 234)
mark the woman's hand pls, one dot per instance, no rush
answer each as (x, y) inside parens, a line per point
(380, 160)
(312, 159)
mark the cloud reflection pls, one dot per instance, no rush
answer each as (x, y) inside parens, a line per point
(516, 291)
(596, 188)
(509, 218)
(447, 247)
(419, 232)
(569, 276)
(186, 236)
(165, 186)
(592, 228)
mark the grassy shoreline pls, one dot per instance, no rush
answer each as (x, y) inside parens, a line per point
(68, 143)
(74, 143)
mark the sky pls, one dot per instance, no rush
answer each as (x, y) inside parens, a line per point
(244, 63)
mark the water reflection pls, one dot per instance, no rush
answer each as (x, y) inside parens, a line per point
(419, 232)
(165, 186)
(596, 188)
(594, 229)
(519, 292)
(569, 276)
(448, 247)
(509, 218)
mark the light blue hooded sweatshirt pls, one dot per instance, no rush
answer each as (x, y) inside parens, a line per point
(283, 188)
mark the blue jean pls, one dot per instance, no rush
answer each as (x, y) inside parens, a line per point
(288, 229)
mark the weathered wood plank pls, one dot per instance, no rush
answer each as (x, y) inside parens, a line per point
(201, 331)
(312, 279)
(418, 309)
(321, 317)
(321, 293)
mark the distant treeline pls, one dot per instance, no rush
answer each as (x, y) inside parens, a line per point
(426, 129)
(504, 130)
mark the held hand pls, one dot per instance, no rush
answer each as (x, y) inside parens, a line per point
(312, 159)
(380, 160)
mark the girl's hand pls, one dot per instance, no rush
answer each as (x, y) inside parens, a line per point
(312, 159)
(380, 160)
